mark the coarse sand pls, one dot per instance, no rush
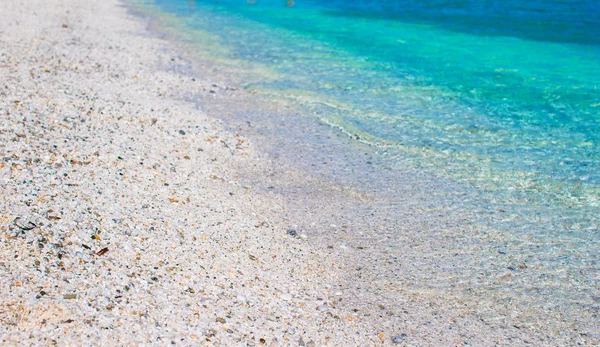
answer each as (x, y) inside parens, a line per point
(122, 218)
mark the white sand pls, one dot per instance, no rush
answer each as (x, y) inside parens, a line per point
(93, 158)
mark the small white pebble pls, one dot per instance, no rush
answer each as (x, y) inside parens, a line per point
(286, 297)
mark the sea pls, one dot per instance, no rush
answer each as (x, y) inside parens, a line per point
(501, 97)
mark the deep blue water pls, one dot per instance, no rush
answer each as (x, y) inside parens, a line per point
(569, 21)
(502, 95)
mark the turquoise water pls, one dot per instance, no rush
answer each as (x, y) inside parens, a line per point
(501, 95)
(501, 98)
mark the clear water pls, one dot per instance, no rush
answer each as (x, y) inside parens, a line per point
(501, 95)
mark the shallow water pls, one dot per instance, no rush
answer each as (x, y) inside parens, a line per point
(503, 96)
(500, 96)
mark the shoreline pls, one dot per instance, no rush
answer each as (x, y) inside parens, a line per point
(102, 152)
(463, 264)
(412, 240)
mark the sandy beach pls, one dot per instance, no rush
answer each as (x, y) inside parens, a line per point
(123, 221)
(131, 217)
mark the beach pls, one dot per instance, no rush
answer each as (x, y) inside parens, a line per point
(123, 221)
(135, 214)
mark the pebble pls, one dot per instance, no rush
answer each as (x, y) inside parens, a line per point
(286, 297)
(399, 338)
(181, 132)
